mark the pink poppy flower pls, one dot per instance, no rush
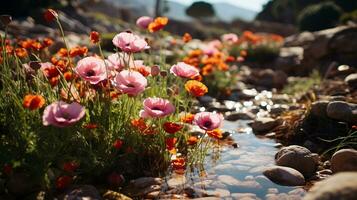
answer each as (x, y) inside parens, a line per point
(130, 82)
(115, 62)
(208, 121)
(215, 44)
(230, 38)
(130, 43)
(184, 70)
(156, 107)
(91, 69)
(144, 21)
(61, 114)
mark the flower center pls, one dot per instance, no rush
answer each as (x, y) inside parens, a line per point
(90, 72)
(155, 108)
(66, 116)
(207, 123)
(130, 85)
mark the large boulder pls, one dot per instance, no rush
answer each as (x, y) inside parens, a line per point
(284, 176)
(344, 160)
(341, 186)
(342, 111)
(299, 158)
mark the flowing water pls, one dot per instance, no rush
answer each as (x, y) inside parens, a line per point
(235, 171)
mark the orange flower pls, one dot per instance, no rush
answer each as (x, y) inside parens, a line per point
(186, 37)
(33, 102)
(197, 78)
(158, 24)
(94, 37)
(192, 140)
(187, 118)
(178, 164)
(21, 52)
(195, 53)
(171, 127)
(36, 46)
(196, 88)
(243, 53)
(170, 143)
(62, 52)
(50, 15)
(47, 42)
(90, 126)
(67, 75)
(216, 133)
(27, 44)
(142, 127)
(207, 70)
(78, 51)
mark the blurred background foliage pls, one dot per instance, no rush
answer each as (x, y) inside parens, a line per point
(309, 15)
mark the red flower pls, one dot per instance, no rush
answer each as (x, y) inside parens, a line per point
(63, 181)
(171, 127)
(70, 166)
(7, 169)
(118, 144)
(170, 143)
(178, 164)
(50, 15)
(115, 179)
(94, 37)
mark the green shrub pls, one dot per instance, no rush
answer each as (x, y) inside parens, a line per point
(319, 16)
(352, 16)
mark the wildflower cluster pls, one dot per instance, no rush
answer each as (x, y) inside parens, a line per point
(74, 115)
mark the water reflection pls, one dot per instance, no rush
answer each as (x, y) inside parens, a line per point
(237, 172)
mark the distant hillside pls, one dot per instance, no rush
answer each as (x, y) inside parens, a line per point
(226, 12)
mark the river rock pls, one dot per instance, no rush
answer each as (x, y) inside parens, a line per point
(82, 192)
(319, 108)
(146, 181)
(264, 124)
(176, 181)
(340, 186)
(240, 115)
(244, 196)
(344, 160)
(351, 80)
(299, 158)
(342, 111)
(284, 176)
(112, 195)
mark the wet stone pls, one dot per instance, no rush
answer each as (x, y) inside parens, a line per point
(264, 124)
(244, 196)
(344, 160)
(329, 190)
(177, 181)
(342, 111)
(112, 195)
(82, 192)
(284, 176)
(240, 116)
(299, 158)
(146, 181)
